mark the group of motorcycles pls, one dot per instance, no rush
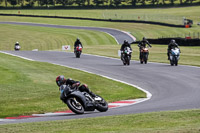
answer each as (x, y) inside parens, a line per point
(79, 102)
(126, 55)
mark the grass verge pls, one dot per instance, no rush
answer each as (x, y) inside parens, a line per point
(165, 122)
(97, 43)
(136, 29)
(167, 15)
(28, 87)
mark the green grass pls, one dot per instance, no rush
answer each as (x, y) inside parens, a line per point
(137, 30)
(28, 87)
(42, 38)
(158, 53)
(169, 15)
(187, 121)
(97, 43)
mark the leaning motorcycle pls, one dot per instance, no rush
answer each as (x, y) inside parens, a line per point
(144, 55)
(79, 102)
(78, 51)
(174, 56)
(126, 55)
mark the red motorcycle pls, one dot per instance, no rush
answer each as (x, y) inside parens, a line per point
(78, 51)
(144, 55)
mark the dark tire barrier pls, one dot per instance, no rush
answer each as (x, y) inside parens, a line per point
(179, 41)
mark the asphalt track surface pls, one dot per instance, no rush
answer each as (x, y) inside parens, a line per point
(172, 87)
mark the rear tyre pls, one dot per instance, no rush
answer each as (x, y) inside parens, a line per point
(75, 105)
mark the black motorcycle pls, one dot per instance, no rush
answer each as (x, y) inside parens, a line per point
(126, 56)
(79, 102)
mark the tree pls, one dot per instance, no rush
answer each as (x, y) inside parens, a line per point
(1, 1)
(30, 3)
(99, 2)
(46, 2)
(65, 2)
(79, 2)
(117, 2)
(153, 2)
(13, 2)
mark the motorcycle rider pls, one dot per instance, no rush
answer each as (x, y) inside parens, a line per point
(60, 80)
(142, 44)
(171, 45)
(77, 43)
(17, 44)
(125, 44)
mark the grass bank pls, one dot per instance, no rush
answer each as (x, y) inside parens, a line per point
(165, 122)
(98, 43)
(167, 15)
(43, 38)
(136, 29)
(28, 87)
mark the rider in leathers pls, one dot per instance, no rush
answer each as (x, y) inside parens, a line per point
(143, 44)
(76, 44)
(16, 44)
(171, 45)
(60, 80)
(125, 44)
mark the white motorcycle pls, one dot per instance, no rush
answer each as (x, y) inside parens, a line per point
(174, 56)
(17, 47)
(126, 55)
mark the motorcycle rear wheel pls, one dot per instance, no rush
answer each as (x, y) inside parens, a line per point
(75, 105)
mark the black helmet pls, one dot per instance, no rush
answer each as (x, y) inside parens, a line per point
(173, 41)
(125, 41)
(144, 39)
(77, 39)
(60, 80)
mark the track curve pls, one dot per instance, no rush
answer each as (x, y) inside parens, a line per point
(173, 88)
(119, 36)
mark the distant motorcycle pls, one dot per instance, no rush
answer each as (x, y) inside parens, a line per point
(126, 55)
(78, 51)
(174, 56)
(144, 55)
(79, 102)
(17, 47)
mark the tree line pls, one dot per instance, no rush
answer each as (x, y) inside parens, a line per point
(41, 3)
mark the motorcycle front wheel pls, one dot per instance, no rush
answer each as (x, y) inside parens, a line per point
(102, 106)
(75, 105)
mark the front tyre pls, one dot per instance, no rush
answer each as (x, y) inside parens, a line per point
(128, 60)
(101, 106)
(75, 105)
(176, 62)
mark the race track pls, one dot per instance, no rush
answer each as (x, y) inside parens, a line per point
(172, 88)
